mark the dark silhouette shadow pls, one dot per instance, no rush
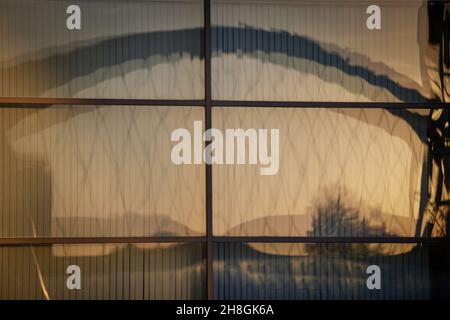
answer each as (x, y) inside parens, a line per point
(109, 52)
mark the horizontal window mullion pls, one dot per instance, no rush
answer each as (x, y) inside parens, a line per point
(44, 102)
(324, 239)
(98, 240)
(218, 239)
(336, 104)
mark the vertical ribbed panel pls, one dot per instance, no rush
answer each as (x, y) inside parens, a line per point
(320, 51)
(118, 272)
(341, 172)
(87, 171)
(125, 49)
(320, 271)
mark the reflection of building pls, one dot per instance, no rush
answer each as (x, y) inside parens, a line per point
(96, 174)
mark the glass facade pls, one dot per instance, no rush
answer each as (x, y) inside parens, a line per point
(87, 122)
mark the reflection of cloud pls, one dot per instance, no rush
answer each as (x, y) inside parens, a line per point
(128, 224)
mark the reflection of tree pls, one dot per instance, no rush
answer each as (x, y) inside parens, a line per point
(436, 211)
(336, 217)
(437, 57)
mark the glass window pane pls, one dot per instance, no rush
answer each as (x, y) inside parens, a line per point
(124, 49)
(93, 171)
(107, 271)
(340, 172)
(330, 271)
(324, 51)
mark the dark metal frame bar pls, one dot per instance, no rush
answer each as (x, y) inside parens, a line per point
(208, 103)
(330, 104)
(11, 102)
(294, 239)
(45, 102)
(217, 239)
(96, 240)
(208, 124)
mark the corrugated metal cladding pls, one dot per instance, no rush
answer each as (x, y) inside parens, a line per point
(106, 171)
